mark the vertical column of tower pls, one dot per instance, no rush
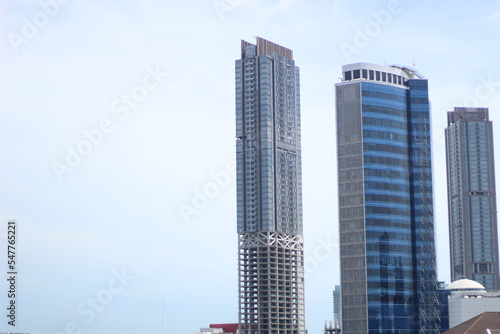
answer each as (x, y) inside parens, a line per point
(456, 207)
(270, 256)
(422, 206)
(351, 209)
(249, 195)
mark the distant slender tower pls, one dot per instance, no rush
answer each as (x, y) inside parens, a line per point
(471, 197)
(337, 305)
(269, 191)
(386, 219)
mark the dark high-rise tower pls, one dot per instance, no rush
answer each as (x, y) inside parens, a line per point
(269, 191)
(386, 224)
(471, 197)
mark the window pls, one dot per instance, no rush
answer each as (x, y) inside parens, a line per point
(356, 74)
(347, 76)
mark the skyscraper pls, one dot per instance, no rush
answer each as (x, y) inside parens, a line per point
(337, 314)
(386, 225)
(471, 197)
(269, 191)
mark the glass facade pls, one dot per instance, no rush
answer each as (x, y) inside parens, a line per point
(472, 197)
(388, 273)
(424, 253)
(269, 191)
(268, 150)
(387, 207)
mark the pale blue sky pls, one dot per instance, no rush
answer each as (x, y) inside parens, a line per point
(119, 209)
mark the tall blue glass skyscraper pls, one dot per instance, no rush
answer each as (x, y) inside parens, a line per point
(269, 191)
(386, 225)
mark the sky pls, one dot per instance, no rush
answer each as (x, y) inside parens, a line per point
(118, 145)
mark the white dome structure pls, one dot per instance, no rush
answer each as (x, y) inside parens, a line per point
(465, 285)
(468, 299)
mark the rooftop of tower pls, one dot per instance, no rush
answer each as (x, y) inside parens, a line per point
(265, 47)
(392, 75)
(472, 114)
